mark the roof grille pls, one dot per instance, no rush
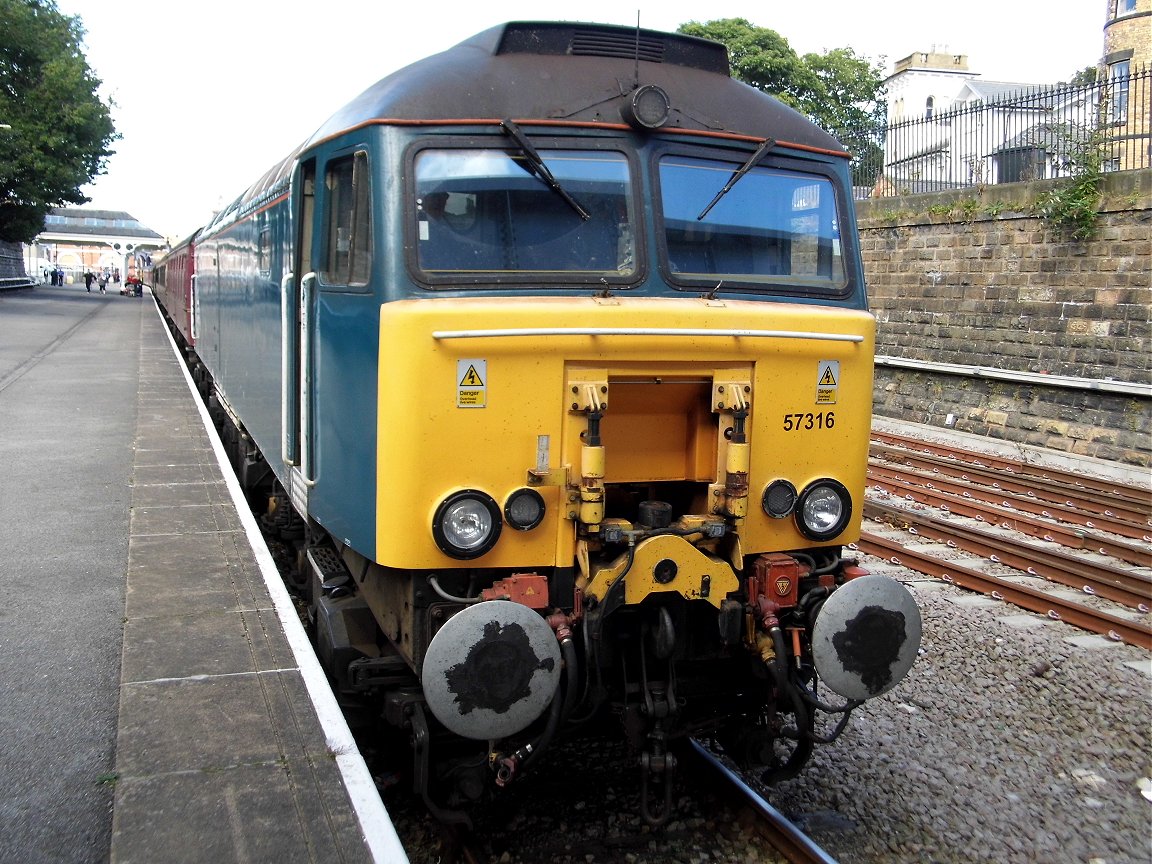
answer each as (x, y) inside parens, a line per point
(606, 40)
(607, 43)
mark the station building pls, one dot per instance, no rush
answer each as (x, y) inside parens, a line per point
(75, 240)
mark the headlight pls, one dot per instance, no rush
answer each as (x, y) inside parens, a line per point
(823, 510)
(467, 524)
(524, 509)
(779, 499)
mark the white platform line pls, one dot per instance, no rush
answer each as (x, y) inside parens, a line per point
(210, 677)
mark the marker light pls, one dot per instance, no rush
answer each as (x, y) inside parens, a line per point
(524, 509)
(647, 108)
(823, 509)
(779, 499)
(467, 524)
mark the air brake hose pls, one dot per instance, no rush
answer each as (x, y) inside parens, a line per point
(561, 707)
(571, 691)
(804, 743)
(545, 738)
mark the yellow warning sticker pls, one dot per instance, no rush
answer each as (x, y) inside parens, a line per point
(471, 383)
(471, 377)
(827, 382)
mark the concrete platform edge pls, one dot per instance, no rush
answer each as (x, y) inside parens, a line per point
(375, 823)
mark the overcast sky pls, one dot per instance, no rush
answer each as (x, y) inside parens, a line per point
(207, 103)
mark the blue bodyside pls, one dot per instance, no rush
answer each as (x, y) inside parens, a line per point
(241, 343)
(344, 498)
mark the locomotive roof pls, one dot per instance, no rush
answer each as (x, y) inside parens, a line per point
(577, 72)
(559, 71)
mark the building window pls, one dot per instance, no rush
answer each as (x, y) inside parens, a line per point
(1124, 7)
(1119, 79)
(928, 106)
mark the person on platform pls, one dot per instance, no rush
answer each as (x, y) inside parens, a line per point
(89, 278)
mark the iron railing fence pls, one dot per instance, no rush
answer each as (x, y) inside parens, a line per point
(1032, 134)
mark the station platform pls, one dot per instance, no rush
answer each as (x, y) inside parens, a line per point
(166, 705)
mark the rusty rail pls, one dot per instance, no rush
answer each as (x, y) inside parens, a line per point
(1072, 538)
(1126, 587)
(1053, 491)
(1055, 607)
(966, 489)
(1138, 497)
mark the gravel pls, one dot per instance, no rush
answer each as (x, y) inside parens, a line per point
(1013, 739)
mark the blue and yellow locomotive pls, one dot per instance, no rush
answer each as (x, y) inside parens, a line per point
(554, 348)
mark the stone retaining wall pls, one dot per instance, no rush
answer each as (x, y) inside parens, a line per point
(12, 265)
(973, 278)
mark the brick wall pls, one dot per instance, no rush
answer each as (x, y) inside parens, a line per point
(971, 278)
(11, 263)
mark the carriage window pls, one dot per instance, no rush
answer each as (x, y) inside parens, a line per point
(773, 227)
(485, 214)
(348, 255)
(264, 251)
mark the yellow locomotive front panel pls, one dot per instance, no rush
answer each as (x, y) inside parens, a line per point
(496, 396)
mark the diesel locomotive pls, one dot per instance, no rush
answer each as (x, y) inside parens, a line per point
(551, 354)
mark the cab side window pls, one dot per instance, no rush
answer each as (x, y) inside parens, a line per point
(348, 250)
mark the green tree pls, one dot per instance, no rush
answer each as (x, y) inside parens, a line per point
(839, 90)
(60, 130)
(1085, 77)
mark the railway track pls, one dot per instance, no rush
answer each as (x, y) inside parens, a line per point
(795, 846)
(1071, 547)
(1039, 475)
(787, 841)
(565, 818)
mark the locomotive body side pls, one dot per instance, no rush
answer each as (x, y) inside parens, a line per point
(575, 409)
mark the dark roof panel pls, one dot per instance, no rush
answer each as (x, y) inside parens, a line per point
(498, 74)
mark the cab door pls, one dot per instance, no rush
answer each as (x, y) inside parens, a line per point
(298, 333)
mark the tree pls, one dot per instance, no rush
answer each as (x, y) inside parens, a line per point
(839, 90)
(60, 131)
(1085, 77)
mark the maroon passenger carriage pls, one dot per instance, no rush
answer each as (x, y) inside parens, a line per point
(174, 284)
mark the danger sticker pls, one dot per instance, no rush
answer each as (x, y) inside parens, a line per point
(827, 382)
(471, 383)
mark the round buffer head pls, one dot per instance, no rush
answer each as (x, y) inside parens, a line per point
(491, 670)
(866, 637)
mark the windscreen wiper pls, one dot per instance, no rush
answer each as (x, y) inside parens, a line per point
(752, 162)
(536, 166)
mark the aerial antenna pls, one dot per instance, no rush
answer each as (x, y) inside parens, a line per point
(636, 54)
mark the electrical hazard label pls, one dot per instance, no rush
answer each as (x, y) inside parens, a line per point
(471, 383)
(827, 382)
